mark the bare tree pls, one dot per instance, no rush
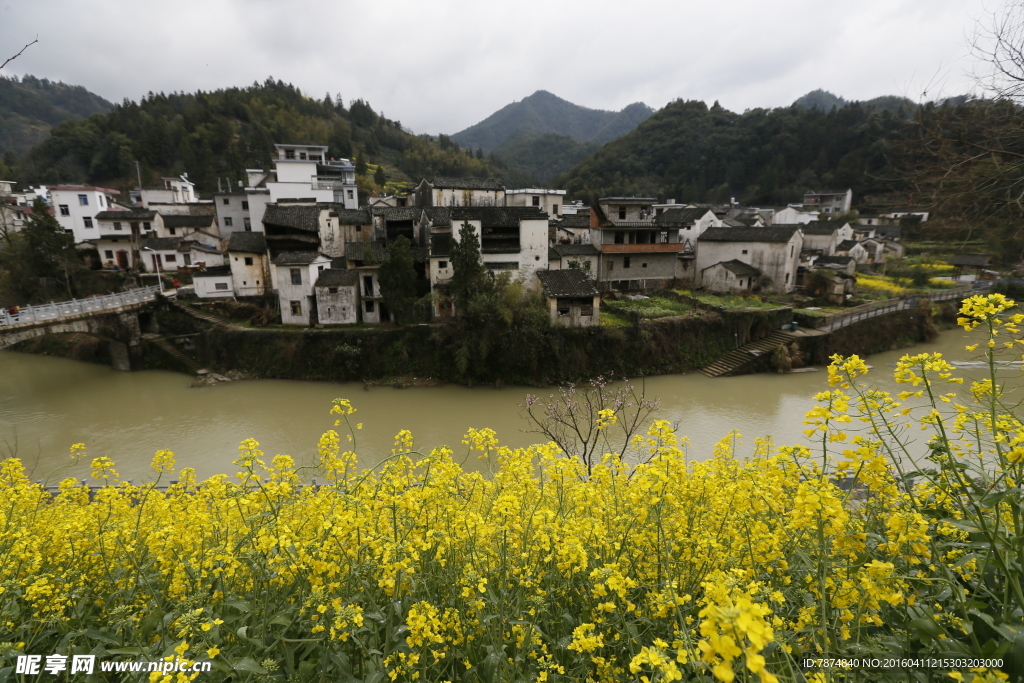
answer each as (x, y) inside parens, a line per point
(589, 420)
(11, 59)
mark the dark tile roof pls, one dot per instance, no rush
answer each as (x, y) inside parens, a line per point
(837, 260)
(213, 271)
(734, 223)
(738, 268)
(970, 260)
(568, 282)
(189, 245)
(249, 242)
(553, 255)
(577, 250)
(821, 227)
(133, 215)
(574, 221)
(773, 233)
(398, 213)
(893, 232)
(681, 215)
(497, 216)
(188, 221)
(298, 217)
(439, 216)
(646, 200)
(353, 216)
(846, 245)
(161, 243)
(448, 183)
(289, 258)
(332, 277)
(366, 251)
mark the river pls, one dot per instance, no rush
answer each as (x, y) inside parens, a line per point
(47, 404)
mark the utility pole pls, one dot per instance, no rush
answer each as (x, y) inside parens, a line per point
(138, 173)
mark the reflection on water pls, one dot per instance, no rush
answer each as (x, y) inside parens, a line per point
(47, 404)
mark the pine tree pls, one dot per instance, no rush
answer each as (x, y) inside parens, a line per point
(469, 274)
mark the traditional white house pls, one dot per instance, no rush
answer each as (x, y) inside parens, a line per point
(828, 201)
(337, 297)
(825, 235)
(583, 257)
(249, 263)
(179, 190)
(854, 250)
(512, 239)
(241, 210)
(732, 277)
(548, 201)
(76, 208)
(774, 251)
(446, 191)
(120, 234)
(297, 271)
(572, 298)
(792, 215)
(213, 283)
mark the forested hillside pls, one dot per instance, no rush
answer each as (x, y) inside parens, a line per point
(30, 106)
(692, 152)
(221, 133)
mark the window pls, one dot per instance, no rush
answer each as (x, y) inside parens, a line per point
(554, 209)
(289, 154)
(664, 237)
(643, 265)
(83, 200)
(791, 248)
(248, 224)
(188, 259)
(171, 230)
(88, 221)
(787, 278)
(109, 254)
(171, 258)
(367, 285)
(296, 307)
(64, 210)
(359, 228)
(245, 283)
(320, 269)
(227, 221)
(350, 196)
(248, 260)
(147, 226)
(625, 262)
(302, 156)
(99, 199)
(744, 251)
(225, 201)
(369, 307)
(332, 290)
(620, 237)
(296, 276)
(536, 201)
(220, 285)
(622, 213)
(245, 206)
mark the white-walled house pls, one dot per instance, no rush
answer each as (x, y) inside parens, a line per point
(548, 201)
(584, 257)
(241, 211)
(120, 234)
(337, 297)
(793, 215)
(305, 172)
(446, 191)
(297, 271)
(572, 298)
(731, 277)
(828, 201)
(76, 207)
(249, 263)
(512, 239)
(853, 249)
(213, 283)
(179, 190)
(774, 251)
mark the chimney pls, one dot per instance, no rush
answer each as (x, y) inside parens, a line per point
(670, 201)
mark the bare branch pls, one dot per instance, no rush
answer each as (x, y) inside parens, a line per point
(11, 59)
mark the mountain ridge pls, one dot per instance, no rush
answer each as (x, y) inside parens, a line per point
(30, 107)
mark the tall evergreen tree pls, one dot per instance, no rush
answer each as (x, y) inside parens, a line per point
(470, 275)
(397, 278)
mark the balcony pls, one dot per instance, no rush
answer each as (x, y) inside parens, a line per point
(331, 182)
(641, 248)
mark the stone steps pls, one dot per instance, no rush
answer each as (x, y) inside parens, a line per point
(194, 366)
(734, 360)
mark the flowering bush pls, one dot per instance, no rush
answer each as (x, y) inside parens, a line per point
(869, 543)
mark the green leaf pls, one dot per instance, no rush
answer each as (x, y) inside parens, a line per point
(249, 664)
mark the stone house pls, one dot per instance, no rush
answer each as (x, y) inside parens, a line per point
(774, 251)
(249, 263)
(337, 297)
(364, 259)
(297, 271)
(583, 257)
(446, 191)
(572, 298)
(731, 277)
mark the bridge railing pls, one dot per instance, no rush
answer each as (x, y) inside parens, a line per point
(65, 309)
(843, 318)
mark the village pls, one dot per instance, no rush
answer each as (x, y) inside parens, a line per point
(298, 233)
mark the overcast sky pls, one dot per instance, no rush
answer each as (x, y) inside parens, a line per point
(439, 67)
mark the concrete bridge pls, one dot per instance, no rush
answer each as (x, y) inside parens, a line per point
(114, 317)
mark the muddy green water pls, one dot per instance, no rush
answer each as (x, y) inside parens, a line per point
(47, 404)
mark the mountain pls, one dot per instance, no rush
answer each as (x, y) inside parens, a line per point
(214, 135)
(542, 113)
(695, 153)
(544, 135)
(825, 101)
(30, 107)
